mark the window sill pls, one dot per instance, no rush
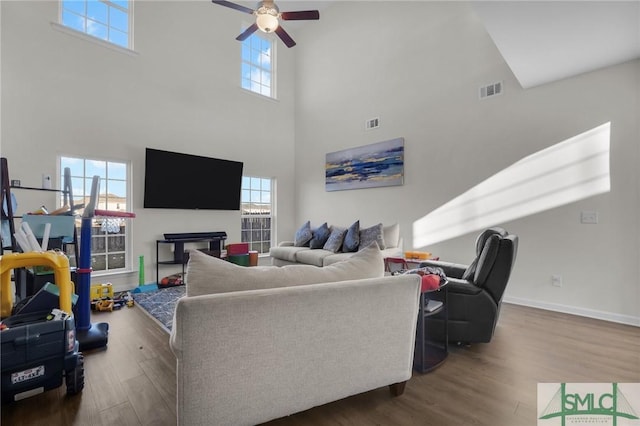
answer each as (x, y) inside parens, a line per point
(112, 273)
(98, 41)
(258, 95)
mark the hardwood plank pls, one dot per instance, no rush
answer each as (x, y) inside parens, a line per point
(121, 415)
(147, 402)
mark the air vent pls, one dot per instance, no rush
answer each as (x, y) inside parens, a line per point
(493, 89)
(372, 123)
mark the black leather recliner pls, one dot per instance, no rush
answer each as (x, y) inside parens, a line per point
(475, 291)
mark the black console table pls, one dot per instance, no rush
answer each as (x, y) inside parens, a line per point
(215, 246)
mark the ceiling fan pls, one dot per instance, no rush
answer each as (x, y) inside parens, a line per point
(267, 19)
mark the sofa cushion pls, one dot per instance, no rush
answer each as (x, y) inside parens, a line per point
(372, 234)
(303, 235)
(286, 252)
(337, 257)
(313, 257)
(334, 243)
(208, 274)
(391, 235)
(470, 272)
(320, 236)
(352, 238)
(486, 260)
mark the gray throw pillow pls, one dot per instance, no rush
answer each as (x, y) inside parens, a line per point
(352, 238)
(372, 234)
(320, 236)
(303, 235)
(335, 239)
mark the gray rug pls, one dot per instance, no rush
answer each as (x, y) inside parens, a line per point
(160, 303)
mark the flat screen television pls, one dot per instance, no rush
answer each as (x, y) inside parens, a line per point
(182, 181)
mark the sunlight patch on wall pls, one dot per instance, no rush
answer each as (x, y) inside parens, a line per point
(569, 171)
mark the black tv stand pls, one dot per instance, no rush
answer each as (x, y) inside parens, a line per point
(215, 246)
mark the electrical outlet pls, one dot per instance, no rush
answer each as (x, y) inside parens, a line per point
(556, 280)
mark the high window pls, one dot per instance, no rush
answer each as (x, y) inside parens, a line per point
(257, 71)
(109, 235)
(257, 212)
(106, 20)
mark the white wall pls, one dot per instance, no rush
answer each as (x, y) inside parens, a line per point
(63, 95)
(418, 66)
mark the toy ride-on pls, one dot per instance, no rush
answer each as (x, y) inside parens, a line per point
(38, 348)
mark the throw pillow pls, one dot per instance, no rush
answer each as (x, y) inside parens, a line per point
(352, 238)
(335, 239)
(432, 277)
(303, 235)
(391, 235)
(209, 275)
(372, 234)
(320, 236)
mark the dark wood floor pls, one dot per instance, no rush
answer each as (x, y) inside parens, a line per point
(132, 382)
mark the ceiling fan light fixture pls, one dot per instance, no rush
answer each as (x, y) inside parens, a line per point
(267, 18)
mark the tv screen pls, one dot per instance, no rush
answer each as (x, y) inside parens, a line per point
(182, 181)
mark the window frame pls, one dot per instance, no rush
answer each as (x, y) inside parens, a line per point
(273, 62)
(125, 230)
(109, 27)
(271, 215)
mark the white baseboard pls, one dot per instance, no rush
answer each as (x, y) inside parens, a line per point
(575, 310)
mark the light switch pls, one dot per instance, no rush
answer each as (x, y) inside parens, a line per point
(589, 217)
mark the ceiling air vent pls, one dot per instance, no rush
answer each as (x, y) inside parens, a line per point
(372, 123)
(490, 90)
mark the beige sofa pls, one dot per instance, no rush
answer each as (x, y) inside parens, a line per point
(256, 344)
(286, 253)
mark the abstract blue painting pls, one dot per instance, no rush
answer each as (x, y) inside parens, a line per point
(368, 166)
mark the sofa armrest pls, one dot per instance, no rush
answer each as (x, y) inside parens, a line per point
(451, 270)
(286, 244)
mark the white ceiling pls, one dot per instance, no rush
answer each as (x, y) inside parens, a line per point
(545, 41)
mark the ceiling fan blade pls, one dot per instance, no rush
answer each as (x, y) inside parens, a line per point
(302, 15)
(233, 6)
(285, 37)
(252, 29)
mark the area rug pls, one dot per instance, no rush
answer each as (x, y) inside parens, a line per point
(160, 304)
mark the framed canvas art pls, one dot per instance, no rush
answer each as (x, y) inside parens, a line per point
(368, 166)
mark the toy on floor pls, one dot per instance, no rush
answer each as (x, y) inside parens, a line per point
(99, 291)
(104, 305)
(122, 299)
(112, 303)
(40, 348)
(171, 281)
